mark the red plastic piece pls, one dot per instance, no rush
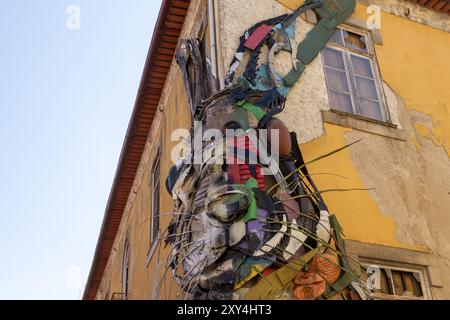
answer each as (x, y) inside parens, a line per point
(239, 171)
(257, 36)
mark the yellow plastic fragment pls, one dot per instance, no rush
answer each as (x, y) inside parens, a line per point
(273, 285)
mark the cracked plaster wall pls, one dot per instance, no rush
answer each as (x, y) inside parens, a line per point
(309, 126)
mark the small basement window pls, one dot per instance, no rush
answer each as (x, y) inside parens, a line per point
(395, 283)
(352, 76)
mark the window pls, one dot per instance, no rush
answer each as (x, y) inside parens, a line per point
(352, 77)
(125, 272)
(396, 283)
(155, 189)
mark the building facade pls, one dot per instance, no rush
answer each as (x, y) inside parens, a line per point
(382, 79)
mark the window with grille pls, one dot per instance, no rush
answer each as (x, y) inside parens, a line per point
(396, 283)
(352, 75)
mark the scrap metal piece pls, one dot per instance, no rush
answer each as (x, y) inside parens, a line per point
(199, 84)
(173, 177)
(209, 242)
(228, 203)
(181, 190)
(275, 241)
(226, 229)
(276, 77)
(222, 276)
(283, 30)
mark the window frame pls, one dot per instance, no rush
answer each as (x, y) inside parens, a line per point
(156, 168)
(370, 55)
(126, 270)
(400, 267)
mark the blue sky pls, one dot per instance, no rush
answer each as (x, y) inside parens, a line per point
(66, 97)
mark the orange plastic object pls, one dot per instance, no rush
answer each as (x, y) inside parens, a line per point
(323, 270)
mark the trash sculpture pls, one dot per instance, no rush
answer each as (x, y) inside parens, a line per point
(259, 229)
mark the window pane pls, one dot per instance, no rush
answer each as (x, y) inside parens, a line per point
(125, 271)
(394, 282)
(155, 201)
(341, 101)
(333, 58)
(126, 281)
(398, 283)
(366, 88)
(355, 41)
(337, 38)
(385, 286)
(361, 66)
(155, 220)
(370, 109)
(337, 80)
(412, 285)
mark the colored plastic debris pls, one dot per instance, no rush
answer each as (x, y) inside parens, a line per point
(254, 110)
(254, 225)
(273, 286)
(257, 36)
(252, 212)
(228, 203)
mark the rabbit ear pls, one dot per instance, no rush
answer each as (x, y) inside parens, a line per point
(197, 79)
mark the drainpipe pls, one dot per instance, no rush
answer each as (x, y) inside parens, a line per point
(216, 64)
(220, 62)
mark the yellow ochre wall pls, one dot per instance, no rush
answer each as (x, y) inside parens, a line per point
(415, 61)
(135, 226)
(143, 279)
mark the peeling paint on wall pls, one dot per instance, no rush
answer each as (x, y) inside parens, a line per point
(402, 8)
(413, 188)
(301, 101)
(414, 62)
(414, 12)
